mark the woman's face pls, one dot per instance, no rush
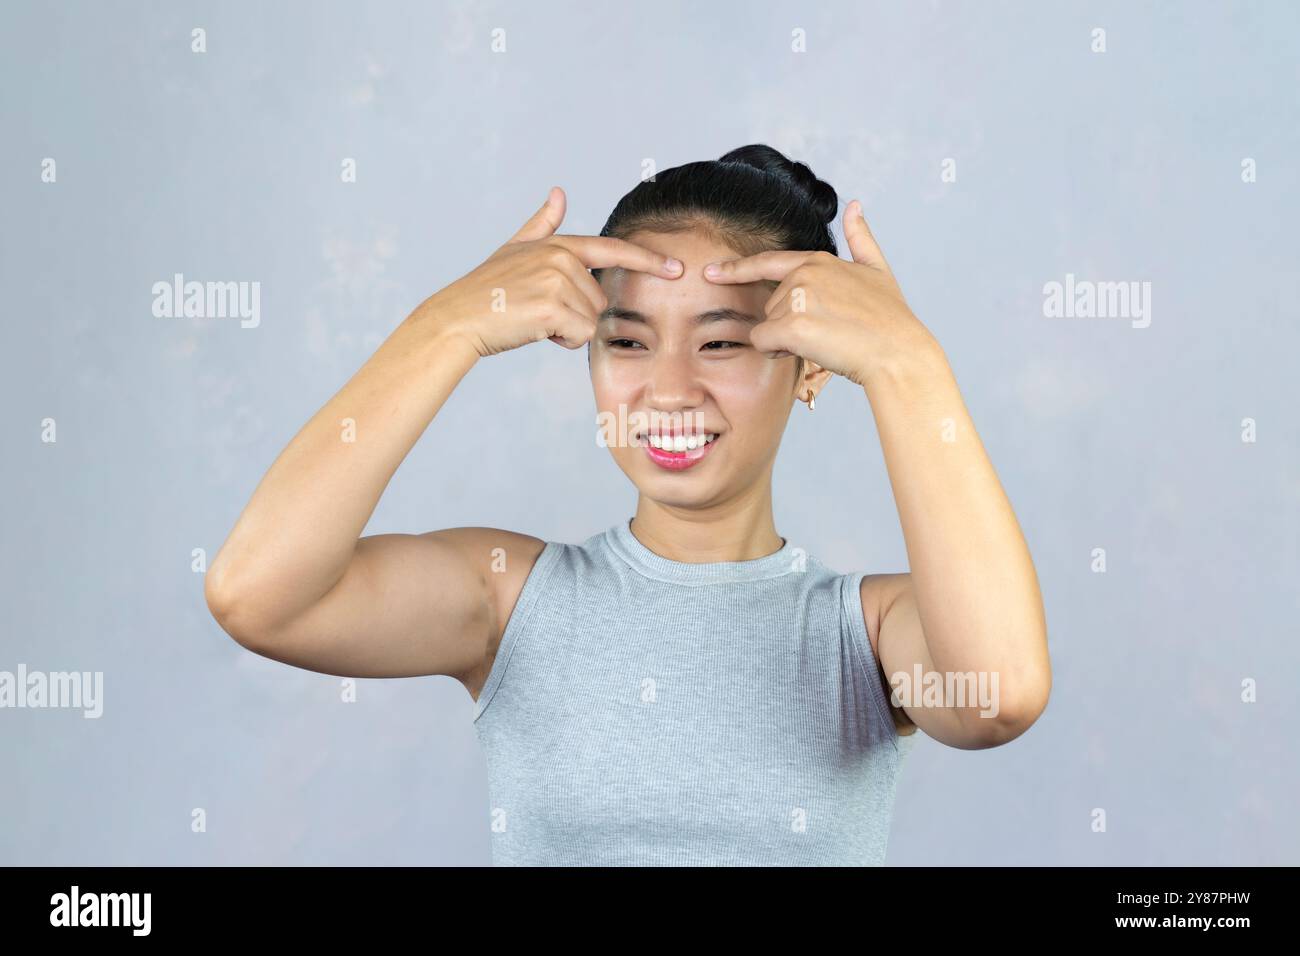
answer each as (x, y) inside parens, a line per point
(657, 367)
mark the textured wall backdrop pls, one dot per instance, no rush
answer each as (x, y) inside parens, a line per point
(997, 147)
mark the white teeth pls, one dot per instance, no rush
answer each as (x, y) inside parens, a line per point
(679, 442)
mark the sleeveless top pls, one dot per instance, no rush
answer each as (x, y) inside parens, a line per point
(644, 711)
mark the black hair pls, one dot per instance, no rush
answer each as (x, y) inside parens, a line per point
(752, 199)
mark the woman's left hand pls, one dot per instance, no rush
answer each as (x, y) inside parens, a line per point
(847, 317)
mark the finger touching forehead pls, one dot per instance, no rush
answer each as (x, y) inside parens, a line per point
(656, 296)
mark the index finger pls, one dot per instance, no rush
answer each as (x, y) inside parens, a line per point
(773, 266)
(603, 252)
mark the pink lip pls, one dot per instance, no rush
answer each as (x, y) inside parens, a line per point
(677, 460)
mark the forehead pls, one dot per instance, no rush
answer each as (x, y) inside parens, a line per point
(691, 293)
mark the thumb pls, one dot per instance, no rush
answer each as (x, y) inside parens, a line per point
(546, 220)
(862, 244)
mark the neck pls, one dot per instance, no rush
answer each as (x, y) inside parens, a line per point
(735, 531)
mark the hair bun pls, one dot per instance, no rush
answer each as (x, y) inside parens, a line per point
(820, 195)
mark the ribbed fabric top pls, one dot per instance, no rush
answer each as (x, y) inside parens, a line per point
(645, 711)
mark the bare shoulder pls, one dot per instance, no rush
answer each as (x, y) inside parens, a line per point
(879, 593)
(504, 560)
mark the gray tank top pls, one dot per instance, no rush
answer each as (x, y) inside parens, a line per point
(644, 711)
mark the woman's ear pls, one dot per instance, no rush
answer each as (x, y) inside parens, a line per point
(813, 379)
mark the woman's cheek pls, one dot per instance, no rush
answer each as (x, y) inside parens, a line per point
(602, 375)
(615, 386)
(744, 392)
(757, 398)
(754, 381)
(766, 372)
(612, 383)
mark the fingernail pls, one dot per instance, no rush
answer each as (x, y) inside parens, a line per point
(672, 265)
(712, 269)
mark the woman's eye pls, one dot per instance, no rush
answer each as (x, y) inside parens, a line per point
(723, 346)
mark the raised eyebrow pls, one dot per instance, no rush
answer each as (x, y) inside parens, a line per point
(713, 315)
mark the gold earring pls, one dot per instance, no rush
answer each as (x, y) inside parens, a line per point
(812, 400)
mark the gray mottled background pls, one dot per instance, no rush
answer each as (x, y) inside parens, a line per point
(1124, 165)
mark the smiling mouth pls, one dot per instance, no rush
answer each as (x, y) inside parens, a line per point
(663, 450)
(678, 443)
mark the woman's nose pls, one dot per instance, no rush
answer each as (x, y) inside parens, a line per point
(673, 380)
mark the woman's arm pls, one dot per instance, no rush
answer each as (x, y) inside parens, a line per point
(294, 581)
(971, 603)
(971, 606)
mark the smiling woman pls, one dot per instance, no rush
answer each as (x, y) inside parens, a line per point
(687, 686)
(704, 690)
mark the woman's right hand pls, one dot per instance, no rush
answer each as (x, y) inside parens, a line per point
(537, 285)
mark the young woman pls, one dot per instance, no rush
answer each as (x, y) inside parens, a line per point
(687, 686)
